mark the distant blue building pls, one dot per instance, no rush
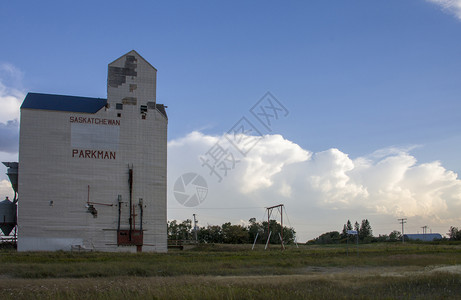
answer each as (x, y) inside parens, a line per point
(425, 237)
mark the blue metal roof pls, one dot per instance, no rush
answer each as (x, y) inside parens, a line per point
(63, 103)
(425, 237)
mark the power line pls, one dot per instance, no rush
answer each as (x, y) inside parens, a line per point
(226, 208)
(403, 221)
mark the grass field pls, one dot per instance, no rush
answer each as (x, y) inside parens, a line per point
(380, 271)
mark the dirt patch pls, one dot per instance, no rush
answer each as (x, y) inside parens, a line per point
(456, 269)
(363, 271)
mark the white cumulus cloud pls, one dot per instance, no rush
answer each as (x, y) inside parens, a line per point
(324, 185)
(11, 95)
(270, 155)
(6, 190)
(450, 6)
(399, 186)
(328, 174)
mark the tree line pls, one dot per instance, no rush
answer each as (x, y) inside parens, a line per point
(228, 233)
(454, 234)
(364, 235)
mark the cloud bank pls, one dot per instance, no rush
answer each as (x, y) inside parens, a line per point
(11, 94)
(11, 97)
(389, 182)
(449, 6)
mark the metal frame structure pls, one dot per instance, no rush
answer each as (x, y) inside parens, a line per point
(269, 213)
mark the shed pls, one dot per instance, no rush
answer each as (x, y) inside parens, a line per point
(425, 237)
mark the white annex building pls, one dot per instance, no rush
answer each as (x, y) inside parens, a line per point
(93, 172)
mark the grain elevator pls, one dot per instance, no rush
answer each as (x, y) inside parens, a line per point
(92, 172)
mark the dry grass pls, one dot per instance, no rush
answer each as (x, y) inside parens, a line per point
(316, 286)
(215, 272)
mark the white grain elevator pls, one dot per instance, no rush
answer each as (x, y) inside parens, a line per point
(92, 172)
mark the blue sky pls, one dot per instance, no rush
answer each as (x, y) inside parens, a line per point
(357, 76)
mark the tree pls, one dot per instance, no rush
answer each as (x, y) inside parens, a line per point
(172, 229)
(349, 225)
(365, 232)
(184, 230)
(346, 228)
(275, 230)
(344, 232)
(382, 238)
(395, 236)
(181, 231)
(255, 229)
(210, 234)
(289, 235)
(454, 234)
(357, 226)
(234, 234)
(332, 237)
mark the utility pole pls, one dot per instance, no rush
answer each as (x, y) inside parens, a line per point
(195, 229)
(403, 221)
(424, 229)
